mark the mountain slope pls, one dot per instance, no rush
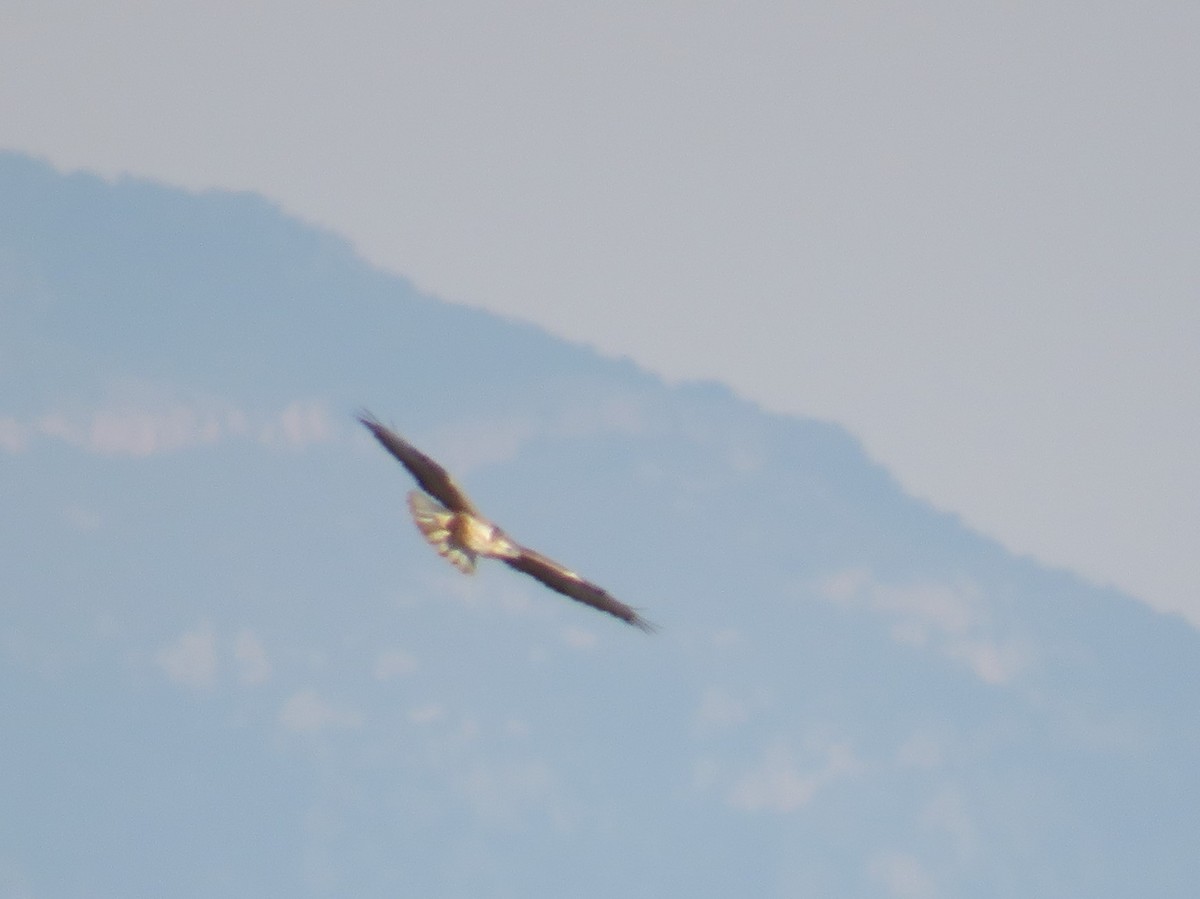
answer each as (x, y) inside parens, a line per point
(231, 666)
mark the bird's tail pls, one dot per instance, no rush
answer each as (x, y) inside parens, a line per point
(435, 521)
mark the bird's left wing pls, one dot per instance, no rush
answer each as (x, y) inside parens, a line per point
(434, 479)
(568, 583)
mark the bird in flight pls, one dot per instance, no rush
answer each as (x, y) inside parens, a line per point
(453, 526)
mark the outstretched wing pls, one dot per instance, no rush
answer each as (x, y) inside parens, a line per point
(434, 479)
(568, 583)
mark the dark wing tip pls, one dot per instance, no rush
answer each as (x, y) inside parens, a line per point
(380, 432)
(367, 418)
(642, 624)
(630, 616)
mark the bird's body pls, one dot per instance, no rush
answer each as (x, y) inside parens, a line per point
(453, 526)
(459, 536)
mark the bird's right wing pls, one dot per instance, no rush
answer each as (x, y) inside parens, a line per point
(568, 583)
(434, 479)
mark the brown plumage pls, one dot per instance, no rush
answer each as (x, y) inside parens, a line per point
(454, 527)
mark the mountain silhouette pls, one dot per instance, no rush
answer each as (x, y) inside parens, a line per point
(229, 665)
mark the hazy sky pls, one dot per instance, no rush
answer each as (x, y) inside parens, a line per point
(966, 232)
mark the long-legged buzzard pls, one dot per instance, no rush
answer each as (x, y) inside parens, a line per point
(453, 526)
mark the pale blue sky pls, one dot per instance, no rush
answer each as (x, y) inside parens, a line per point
(967, 233)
